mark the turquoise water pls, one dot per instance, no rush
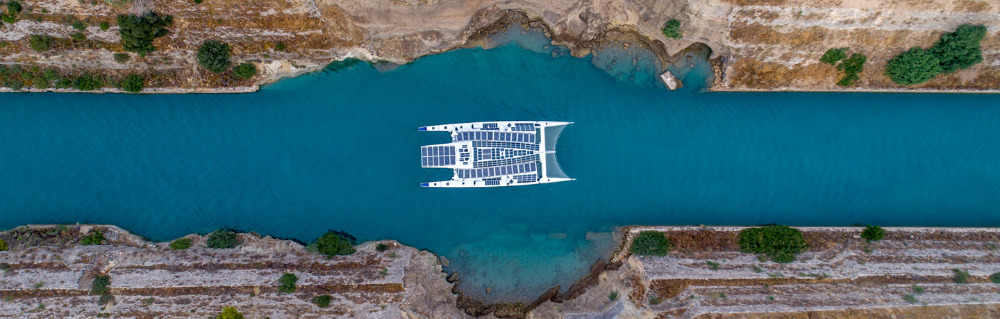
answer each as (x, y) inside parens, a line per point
(340, 150)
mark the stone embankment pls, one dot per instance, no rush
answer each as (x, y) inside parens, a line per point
(910, 273)
(48, 274)
(758, 44)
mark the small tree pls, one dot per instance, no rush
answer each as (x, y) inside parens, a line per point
(138, 32)
(322, 301)
(213, 55)
(40, 43)
(672, 29)
(650, 243)
(100, 285)
(286, 283)
(959, 49)
(222, 239)
(778, 242)
(132, 83)
(332, 244)
(79, 25)
(913, 67)
(832, 56)
(381, 247)
(995, 278)
(230, 313)
(181, 244)
(94, 238)
(105, 26)
(245, 70)
(873, 233)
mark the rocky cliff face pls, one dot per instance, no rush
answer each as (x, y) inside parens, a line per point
(762, 44)
(48, 274)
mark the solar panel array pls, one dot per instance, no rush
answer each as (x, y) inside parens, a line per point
(506, 161)
(523, 127)
(490, 126)
(529, 178)
(492, 181)
(521, 168)
(435, 155)
(495, 136)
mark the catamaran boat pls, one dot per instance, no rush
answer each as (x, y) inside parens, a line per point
(491, 154)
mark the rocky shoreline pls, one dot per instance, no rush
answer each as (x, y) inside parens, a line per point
(47, 272)
(763, 45)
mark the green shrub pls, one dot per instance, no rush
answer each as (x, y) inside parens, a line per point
(230, 313)
(105, 26)
(322, 301)
(286, 283)
(198, 1)
(105, 299)
(650, 243)
(79, 25)
(13, 7)
(245, 70)
(381, 247)
(222, 239)
(995, 278)
(3, 245)
(94, 238)
(910, 298)
(778, 242)
(87, 82)
(912, 67)
(132, 83)
(654, 300)
(848, 80)
(138, 32)
(181, 244)
(918, 289)
(854, 64)
(213, 55)
(613, 295)
(78, 36)
(672, 29)
(960, 276)
(712, 265)
(40, 43)
(832, 56)
(279, 47)
(959, 49)
(122, 57)
(873, 233)
(332, 244)
(100, 285)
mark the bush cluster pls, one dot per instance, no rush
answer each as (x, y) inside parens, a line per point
(181, 244)
(230, 313)
(213, 55)
(672, 29)
(832, 56)
(87, 82)
(132, 83)
(138, 32)
(222, 239)
(852, 66)
(381, 247)
(245, 70)
(873, 233)
(13, 11)
(286, 283)
(650, 243)
(3, 245)
(995, 278)
(94, 238)
(322, 301)
(960, 276)
(79, 25)
(953, 51)
(100, 285)
(778, 242)
(122, 57)
(333, 244)
(40, 43)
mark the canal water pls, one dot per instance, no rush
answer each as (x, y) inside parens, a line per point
(339, 150)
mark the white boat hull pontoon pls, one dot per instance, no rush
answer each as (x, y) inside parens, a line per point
(492, 154)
